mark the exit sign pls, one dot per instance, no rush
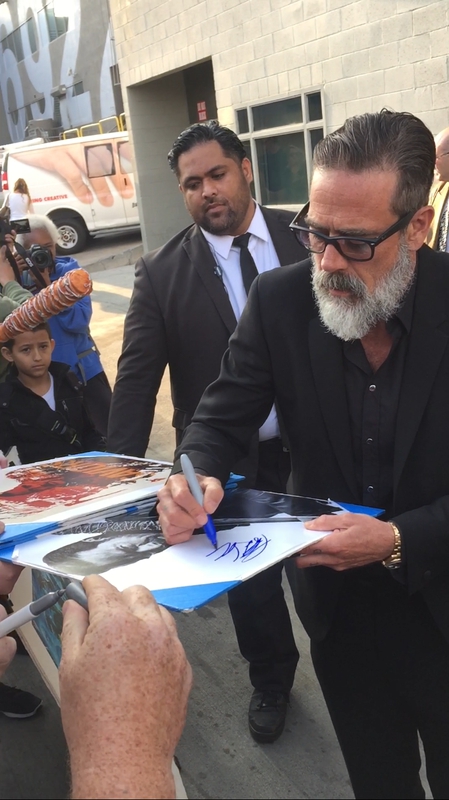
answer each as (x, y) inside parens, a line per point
(202, 112)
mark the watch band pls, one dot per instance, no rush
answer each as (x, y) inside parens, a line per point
(394, 560)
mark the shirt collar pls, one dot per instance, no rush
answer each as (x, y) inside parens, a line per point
(222, 244)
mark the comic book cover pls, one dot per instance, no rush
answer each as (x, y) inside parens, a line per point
(36, 497)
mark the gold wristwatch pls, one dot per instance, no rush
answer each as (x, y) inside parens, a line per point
(394, 560)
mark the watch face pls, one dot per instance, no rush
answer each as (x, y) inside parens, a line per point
(393, 561)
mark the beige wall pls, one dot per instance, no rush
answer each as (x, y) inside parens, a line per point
(158, 112)
(363, 55)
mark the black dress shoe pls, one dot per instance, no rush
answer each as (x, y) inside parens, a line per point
(266, 716)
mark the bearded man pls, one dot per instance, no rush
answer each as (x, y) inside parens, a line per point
(187, 298)
(355, 346)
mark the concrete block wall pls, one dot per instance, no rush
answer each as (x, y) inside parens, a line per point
(158, 110)
(390, 46)
(363, 55)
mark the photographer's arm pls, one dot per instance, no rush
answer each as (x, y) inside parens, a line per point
(12, 294)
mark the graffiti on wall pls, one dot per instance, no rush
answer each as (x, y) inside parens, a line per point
(40, 52)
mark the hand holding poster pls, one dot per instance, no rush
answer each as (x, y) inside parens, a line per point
(255, 530)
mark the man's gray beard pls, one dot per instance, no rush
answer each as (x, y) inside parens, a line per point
(353, 317)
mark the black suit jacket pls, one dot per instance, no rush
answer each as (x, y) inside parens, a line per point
(280, 348)
(179, 315)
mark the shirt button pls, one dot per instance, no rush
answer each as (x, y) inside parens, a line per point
(369, 441)
(372, 387)
(370, 488)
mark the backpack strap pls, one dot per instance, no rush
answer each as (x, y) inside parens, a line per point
(50, 423)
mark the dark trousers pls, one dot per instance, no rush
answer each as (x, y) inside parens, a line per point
(258, 608)
(384, 672)
(97, 395)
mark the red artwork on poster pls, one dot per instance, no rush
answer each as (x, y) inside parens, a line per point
(61, 489)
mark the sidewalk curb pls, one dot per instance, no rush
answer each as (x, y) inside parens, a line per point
(126, 258)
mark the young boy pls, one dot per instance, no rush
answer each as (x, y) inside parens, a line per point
(43, 415)
(42, 411)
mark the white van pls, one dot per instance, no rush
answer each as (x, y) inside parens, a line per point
(85, 185)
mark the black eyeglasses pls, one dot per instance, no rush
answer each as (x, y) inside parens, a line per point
(354, 248)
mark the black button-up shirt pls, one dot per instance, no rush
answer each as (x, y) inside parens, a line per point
(373, 399)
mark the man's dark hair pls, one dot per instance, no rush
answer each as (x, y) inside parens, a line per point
(43, 326)
(202, 133)
(386, 140)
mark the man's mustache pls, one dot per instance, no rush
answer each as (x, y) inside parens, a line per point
(220, 200)
(338, 281)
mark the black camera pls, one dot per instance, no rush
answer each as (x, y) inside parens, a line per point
(17, 225)
(41, 257)
(37, 258)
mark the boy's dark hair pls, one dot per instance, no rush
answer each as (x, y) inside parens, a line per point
(43, 326)
(386, 140)
(202, 133)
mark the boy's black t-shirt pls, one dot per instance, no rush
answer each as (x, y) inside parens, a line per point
(39, 433)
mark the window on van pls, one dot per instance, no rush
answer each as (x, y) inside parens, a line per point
(124, 157)
(99, 160)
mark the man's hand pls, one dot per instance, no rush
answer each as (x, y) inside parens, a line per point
(6, 270)
(179, 513)
(356, 540)
(125, 681)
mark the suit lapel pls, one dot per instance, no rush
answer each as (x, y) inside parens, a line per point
(285, 244)
(327, 367)
(198, 252)
(426, 348)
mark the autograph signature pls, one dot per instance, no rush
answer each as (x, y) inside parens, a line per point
(245, 551)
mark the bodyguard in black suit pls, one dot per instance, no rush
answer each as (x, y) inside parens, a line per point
(186, 301)
(358, 360)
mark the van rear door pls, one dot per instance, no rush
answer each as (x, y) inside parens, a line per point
(128, 187)
(109, 185)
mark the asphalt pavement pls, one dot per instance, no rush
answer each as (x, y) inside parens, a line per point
(217, 755)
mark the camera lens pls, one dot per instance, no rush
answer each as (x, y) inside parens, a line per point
(41, 257)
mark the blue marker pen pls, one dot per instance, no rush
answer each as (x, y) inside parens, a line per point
(195, 488)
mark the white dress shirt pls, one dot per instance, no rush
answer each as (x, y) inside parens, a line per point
(227, 258)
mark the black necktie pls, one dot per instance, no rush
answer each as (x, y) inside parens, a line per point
(247, 265)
